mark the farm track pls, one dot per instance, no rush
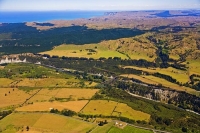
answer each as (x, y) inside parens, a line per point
(114, 109)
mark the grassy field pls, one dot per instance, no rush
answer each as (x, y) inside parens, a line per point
(194, 66)
(39, 123)
(104, 128)
(46, 106)
(51, 82)
(128, 129)
(15, 96)
(112, 48)
(80, 51)
(179, 75)
(107, 108)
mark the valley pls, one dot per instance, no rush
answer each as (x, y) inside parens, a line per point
(125, 71)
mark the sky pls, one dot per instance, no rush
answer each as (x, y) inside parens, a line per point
(114, 5)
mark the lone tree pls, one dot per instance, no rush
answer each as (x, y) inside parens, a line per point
(184, 129)
(27, 128)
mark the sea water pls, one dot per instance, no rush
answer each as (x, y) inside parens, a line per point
(19, 17)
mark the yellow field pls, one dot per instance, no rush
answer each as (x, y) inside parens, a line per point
(47, 106)
(76, 93)
(66, 93)
(155, 81)
(5, 82)
(39, 123)
(53, 82)
(40, 98)
(13, 98)
(179, 75)
(107, 108)
(170, 85)
(128, 112)
(141, 78)
(97, 107)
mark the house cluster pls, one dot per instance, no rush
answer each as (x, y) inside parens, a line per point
(11, 60)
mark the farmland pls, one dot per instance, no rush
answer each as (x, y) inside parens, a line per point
(47, 106)
(128, 129)
(125, 111)
(111, 108)
(103, 129)
(63, 94)
(4, 82)
(98, 107)
(12, 96)
(169, 84)
(156, 81)
(40, 122)
(179, 75)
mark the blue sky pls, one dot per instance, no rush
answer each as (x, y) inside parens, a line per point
(51, 5)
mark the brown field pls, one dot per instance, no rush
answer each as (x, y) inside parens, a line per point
(46, 106)
(128, 112)
(63, 93)
(13, 98)
(107, 108)
(43, 122)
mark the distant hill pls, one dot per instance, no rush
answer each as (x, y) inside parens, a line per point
(175, 33)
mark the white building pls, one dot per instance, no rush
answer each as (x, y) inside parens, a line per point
(11, 60)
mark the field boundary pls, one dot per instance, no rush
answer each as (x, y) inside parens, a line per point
(84, 106)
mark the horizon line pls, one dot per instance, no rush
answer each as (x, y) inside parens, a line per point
(100, 10)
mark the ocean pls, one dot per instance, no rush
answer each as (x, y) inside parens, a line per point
(19, 17)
